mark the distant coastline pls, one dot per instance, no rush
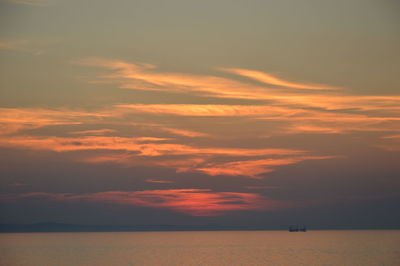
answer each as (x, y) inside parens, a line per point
(63, 227)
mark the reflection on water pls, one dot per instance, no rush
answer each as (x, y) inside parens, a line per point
(203, 248)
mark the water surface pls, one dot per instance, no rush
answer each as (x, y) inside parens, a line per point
(370, 247)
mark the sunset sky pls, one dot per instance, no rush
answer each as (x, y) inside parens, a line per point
(256, 113)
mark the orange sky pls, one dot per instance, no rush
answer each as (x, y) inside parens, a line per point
(203, 114)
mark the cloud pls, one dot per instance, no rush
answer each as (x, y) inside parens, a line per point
(341, 124)
(292, 120)
(27, 2)
(392, 137)
(27, 46)
(143, 77)
(184, 133)
(146, 77)
(390, 143)
(271, 80)
(150, 152)
(211, 110)
(262, 187)
(97, 132)
(13, 120)
(143, 146)
(61, 144)
(105, 146)
(161, 135)
(304, 107)
(194, 202)
(157, 181)
(253, 168)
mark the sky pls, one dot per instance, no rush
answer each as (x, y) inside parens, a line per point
(228, 112)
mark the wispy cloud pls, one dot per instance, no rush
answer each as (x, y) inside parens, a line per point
(211, 110)
(292, 120)
(162, 127)
(185, 133)
(304, 107)
(13, 120)
(95, 132)
(146, 77)
(158, 181)
(194, 202)
(159, 135)
(139, 144)
(27, 46)
(198, 159)
(271, 80)
(262, 187)
(18, 185)
(27, 2)
(390, 143)
(391, 137)
(253, 168)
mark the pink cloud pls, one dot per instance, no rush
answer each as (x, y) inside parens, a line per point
(194, 202)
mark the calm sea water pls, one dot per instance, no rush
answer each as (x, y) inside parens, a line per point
(362, 248)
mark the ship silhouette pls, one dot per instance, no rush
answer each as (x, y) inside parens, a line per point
(297, 228)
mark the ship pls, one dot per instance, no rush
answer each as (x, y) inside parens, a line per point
(297, 228)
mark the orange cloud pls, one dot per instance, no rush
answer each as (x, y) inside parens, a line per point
(271, 80)
(145, 77)
(307, 109)
(253, 168)
(210, 110)
(207, 165)
(293, 120)
(94, 132)
(185, 133)
(391, 137)
(150, 152)
(280, 111)
(183, 165)
(342, 123)
(61, 144)
(162, 128)
(13, 120)
(194, 202)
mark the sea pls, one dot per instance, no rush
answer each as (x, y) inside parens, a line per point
(331, 247)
